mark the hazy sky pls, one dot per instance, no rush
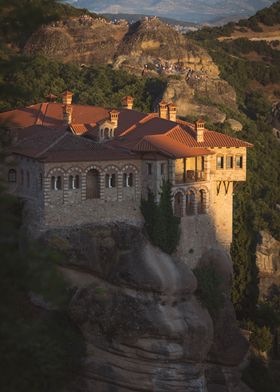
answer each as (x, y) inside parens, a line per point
(191, 10)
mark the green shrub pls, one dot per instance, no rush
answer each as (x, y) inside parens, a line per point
(209, 290)
(261, 339)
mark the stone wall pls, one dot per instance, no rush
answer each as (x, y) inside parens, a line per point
(67, 207)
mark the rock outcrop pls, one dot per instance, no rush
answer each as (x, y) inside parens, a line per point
(144, 328)
(149, 47)
(268, 263)
(84, 40)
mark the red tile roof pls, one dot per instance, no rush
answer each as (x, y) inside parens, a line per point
(169, 146)
(41, 126)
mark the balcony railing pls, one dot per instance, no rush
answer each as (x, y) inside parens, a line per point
(190, 176)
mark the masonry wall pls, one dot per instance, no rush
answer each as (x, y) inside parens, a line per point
(67, 207)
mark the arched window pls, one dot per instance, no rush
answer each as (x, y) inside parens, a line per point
(190, 203)
(56, 183)
(74, 182)
(201, 208)
(110, 180)
(12, 175)
(128, 180)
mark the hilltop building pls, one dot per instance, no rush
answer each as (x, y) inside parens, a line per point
(76, 164)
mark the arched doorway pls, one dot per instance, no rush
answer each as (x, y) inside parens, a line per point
(93, 184)
(190, 203)
(202, 202)
(178, 204)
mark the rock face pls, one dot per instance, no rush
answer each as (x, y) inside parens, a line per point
(268, 262)
(148, 47)
(144, 328)
(276, 120)
(84, 40)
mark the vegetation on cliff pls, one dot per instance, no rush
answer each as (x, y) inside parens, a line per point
(40, 348)
(20, 18)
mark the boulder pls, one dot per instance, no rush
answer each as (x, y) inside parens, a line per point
(235, 125)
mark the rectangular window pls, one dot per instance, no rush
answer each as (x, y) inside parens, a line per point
(229, 162)
(162, 169)
(220, 162)
(150, 168)
(239, 162)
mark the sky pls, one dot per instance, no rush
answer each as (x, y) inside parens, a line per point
(197, 11)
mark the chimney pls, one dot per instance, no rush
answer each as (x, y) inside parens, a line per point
(51, 97)
(67, 98)
(199, 130)
(67, 114)
(114, 117)
(163, 110)
(172, 112)
(127, 102)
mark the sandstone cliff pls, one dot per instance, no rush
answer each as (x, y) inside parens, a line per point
(145, 330)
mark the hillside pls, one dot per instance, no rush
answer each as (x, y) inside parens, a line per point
(20, 18)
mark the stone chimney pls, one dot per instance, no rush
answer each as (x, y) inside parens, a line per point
(127, 102)
(163, 110)
(114, 117)
(67, 98)
(172, 112)
(51, 97)
(67, 113)
(199, 130)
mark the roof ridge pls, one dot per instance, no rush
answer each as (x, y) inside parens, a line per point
(42, 110)
(51, 145)
(141, 122)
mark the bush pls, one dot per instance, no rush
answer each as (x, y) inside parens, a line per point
(209, 290)
(261, 339)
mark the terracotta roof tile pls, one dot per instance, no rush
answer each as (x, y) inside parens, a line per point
(169, 146)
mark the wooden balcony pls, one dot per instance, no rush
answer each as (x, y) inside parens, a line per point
(190, 176)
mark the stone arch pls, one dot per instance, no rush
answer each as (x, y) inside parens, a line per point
(203, 200)
(129, 175)
(93, 184)
(111, 168)
(191, 201)
(178, 203)
(74, 175)
(56, 178)
(98, 168)
(56, 170)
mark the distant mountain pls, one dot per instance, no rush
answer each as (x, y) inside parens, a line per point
(132, 18)
(197, 11)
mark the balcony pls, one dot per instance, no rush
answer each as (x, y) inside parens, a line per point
(190, 176)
